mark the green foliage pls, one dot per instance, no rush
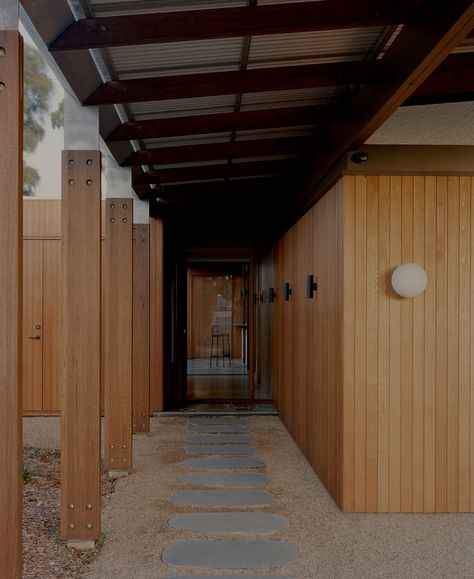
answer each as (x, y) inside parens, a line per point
(57, 116)
(38, 93)
(31, 178)
(38, 89)
(28, 473)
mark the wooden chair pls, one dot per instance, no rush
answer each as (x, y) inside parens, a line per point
(220, 345)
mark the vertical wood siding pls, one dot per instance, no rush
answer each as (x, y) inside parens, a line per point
(408, 403)
(307, 337)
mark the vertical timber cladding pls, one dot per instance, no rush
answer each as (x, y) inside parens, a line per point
(141, 329)
(307, 337)
(11, 225)
(408, 375)
(118, 270)
(81, 288)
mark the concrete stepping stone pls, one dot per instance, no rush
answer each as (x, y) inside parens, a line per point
(224, 479)
(215, 449)
(229, 577)
(228, 522)
(208, 498)
(214, 421)
(219, 428)
(219, 438)
(230, 554)
(221, 463)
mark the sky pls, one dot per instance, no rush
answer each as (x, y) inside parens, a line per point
(47, 157)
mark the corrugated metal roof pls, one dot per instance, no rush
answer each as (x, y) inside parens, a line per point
(183, 107)
(192, 164)
(284, 1)
(188, 140)
(126, 7)
(312, 47)
(289, 98)
(264, 158)
(273, 133)
(169, 186)
(176, 58)
(467, 45)
(391, 40)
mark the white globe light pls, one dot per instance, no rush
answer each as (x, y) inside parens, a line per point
(409, 280)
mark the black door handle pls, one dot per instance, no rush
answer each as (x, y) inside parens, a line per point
(34, 337)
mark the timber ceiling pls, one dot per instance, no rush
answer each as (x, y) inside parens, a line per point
(237, 99)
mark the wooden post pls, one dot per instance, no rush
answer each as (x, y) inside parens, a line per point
(11, 233)
(156, 315)
(141, 329)
(80, 317)
(118, 335)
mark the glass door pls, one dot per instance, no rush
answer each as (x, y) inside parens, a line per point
(217, 331)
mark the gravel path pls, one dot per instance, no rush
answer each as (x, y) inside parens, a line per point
(330, 544)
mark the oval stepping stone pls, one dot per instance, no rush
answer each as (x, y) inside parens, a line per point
(219, 438)
(224, 479)
(223, 498)
(219, 428)
(228, 522)
(218, 463)
(215, 449)
(214, 421)
(230, 576)
(230, 554)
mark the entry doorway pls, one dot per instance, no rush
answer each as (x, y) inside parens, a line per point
(218, 330)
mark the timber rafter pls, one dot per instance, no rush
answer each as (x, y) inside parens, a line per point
(230, 22)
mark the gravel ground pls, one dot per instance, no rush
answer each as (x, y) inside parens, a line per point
(331, 544)
(44, 555)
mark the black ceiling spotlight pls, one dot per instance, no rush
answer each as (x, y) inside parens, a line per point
(360, 157)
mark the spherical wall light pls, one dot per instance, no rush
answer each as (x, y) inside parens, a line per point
(409, 280)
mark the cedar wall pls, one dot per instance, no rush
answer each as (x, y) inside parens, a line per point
(42, 260)
(376, 389)
(307, 345)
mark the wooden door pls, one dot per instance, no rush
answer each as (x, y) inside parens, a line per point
(41, 284)
(33, 326)
(51, 324)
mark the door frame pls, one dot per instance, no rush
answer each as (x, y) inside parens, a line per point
(219, 255)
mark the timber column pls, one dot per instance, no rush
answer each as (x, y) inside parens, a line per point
(118, 310)
(141, 328)
(80, 320)
(11, 233)
(118, 335)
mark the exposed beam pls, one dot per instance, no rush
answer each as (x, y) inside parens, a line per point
(230, 22)
(417, 51)
(221, 83)
(142, 191)
(215, 151)
(178, 174)
(222, 123)
(45, 19)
